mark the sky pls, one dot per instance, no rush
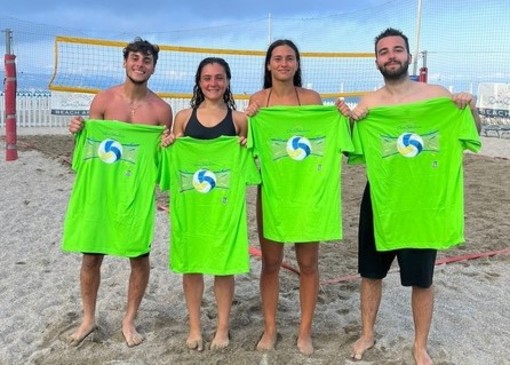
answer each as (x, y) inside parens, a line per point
(469, 35)
(227, 24)
(167, 15)
(211, 23)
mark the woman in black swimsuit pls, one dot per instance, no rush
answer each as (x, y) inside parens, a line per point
(212, 114)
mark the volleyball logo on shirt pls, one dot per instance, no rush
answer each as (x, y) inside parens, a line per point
(109, 151)
(299, 148)
(409, 144)
(204, 181)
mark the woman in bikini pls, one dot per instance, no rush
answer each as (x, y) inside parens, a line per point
(283, 86)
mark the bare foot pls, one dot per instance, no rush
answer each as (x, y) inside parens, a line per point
(131, 335)
(220, 341)
(267, 342)
(81, 333)
(305, 345)
(195, 343)
(421, 357)
(360, 346)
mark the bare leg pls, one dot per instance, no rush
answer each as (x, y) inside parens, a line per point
(308, 261)
(193, 285)
(370, 298)
(423, 304)
(90, 277)
(224, 293)
(138, 279)
(272, 256)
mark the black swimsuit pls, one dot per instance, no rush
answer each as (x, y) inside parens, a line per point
(197, 130)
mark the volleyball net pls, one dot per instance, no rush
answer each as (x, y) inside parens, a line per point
(84, 65)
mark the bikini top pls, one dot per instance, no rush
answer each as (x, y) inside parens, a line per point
(196, 129)
(271, 90)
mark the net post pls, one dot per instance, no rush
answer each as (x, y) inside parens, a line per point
(11, 152)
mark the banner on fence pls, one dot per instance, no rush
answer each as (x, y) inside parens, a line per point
(66, 103)
(494, 100)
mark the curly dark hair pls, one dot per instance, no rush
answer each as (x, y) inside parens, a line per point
(143, 46)
(198, 95)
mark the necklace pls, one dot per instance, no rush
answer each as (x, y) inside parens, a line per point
(133, 109)
(134, 106)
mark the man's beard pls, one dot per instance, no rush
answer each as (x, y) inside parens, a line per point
(397, 74)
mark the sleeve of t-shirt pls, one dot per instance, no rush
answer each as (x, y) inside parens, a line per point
(356, 156)
(250, 142)
(345, 135)
(164, 168)
(79, 141)
(468, 134)
(251, 172)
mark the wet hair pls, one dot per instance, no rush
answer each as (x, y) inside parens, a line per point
(268, 82)
(391, 32)
(198, 95)
(142, 46)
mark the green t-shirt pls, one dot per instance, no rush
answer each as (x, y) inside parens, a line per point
(413, 154)
(207, 180)
(111, 208)
(299, 149)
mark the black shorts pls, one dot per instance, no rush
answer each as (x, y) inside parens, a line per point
(416, 265)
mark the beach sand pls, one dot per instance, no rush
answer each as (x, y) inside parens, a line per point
(40, 302)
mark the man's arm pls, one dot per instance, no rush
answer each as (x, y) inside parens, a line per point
(165, 114)
(76, 123)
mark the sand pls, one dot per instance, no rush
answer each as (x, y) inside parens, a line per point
(40, 299)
